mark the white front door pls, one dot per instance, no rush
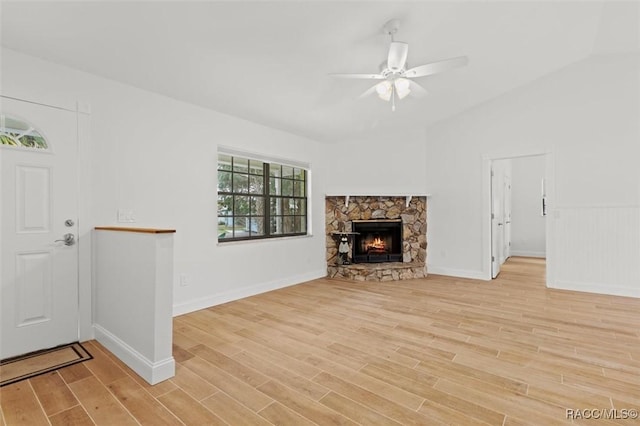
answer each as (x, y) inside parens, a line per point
(39, 207)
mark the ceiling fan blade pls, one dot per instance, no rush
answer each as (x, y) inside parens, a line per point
(417, 90)
(368, 92)
(363, 76)
(397, 55)
(436, 67)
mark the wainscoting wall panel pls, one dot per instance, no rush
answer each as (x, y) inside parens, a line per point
(597, 249)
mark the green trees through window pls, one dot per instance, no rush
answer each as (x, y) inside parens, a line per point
(259, 199)
(17, 133)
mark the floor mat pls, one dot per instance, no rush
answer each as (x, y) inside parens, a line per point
(35, 363)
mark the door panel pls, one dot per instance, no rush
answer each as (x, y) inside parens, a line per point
(34, 273)
(33, 199)
(39, 270)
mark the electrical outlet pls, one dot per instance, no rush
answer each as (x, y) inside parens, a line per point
(184, 280)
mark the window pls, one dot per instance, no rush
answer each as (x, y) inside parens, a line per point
(260, 199)
(20, 134)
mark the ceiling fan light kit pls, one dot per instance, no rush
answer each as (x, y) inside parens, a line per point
(402, 87)
(384, 90)
(396, 78)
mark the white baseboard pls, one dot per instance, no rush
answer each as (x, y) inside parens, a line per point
(526, 253)
(152, 372)
(460, 273)
(596, 288)
(229, 296)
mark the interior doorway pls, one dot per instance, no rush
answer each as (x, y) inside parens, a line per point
(517, 203)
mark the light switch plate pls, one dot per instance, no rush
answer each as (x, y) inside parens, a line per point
(126, 216)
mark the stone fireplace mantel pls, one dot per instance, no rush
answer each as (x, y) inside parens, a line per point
(342, 210)
(407, 197)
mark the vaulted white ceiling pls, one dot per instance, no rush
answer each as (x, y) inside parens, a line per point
(268, 62)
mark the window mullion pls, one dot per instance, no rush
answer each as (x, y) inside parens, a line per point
(267, 200)
(233, 198)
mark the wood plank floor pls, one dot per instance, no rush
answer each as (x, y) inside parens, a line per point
(438, 350)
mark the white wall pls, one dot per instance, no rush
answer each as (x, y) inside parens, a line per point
(157, 156)
(385, 162)
(586, 115)
(527, 223)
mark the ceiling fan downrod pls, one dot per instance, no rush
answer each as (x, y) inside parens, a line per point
(393, 98)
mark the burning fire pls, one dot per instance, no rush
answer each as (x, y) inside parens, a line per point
(377, 244)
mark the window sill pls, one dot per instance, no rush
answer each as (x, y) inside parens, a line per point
(263, 240)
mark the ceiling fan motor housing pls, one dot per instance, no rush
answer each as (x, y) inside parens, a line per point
(387, 72)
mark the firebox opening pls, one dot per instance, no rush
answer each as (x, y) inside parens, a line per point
(377, 241)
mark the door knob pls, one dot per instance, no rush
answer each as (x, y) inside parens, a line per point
(69, 239)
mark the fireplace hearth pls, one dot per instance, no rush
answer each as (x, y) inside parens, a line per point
(377, 241)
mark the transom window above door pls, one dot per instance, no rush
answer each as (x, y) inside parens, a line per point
(17, 133)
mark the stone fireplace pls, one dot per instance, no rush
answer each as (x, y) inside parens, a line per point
(387, 237)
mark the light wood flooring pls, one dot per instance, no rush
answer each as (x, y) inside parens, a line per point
(433, 351)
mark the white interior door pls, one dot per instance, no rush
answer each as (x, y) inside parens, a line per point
(507, 217)
(38, 264)
(496, 224)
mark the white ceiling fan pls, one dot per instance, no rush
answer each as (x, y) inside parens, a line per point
(396, 78)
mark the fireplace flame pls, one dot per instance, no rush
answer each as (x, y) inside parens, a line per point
(377, 244)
